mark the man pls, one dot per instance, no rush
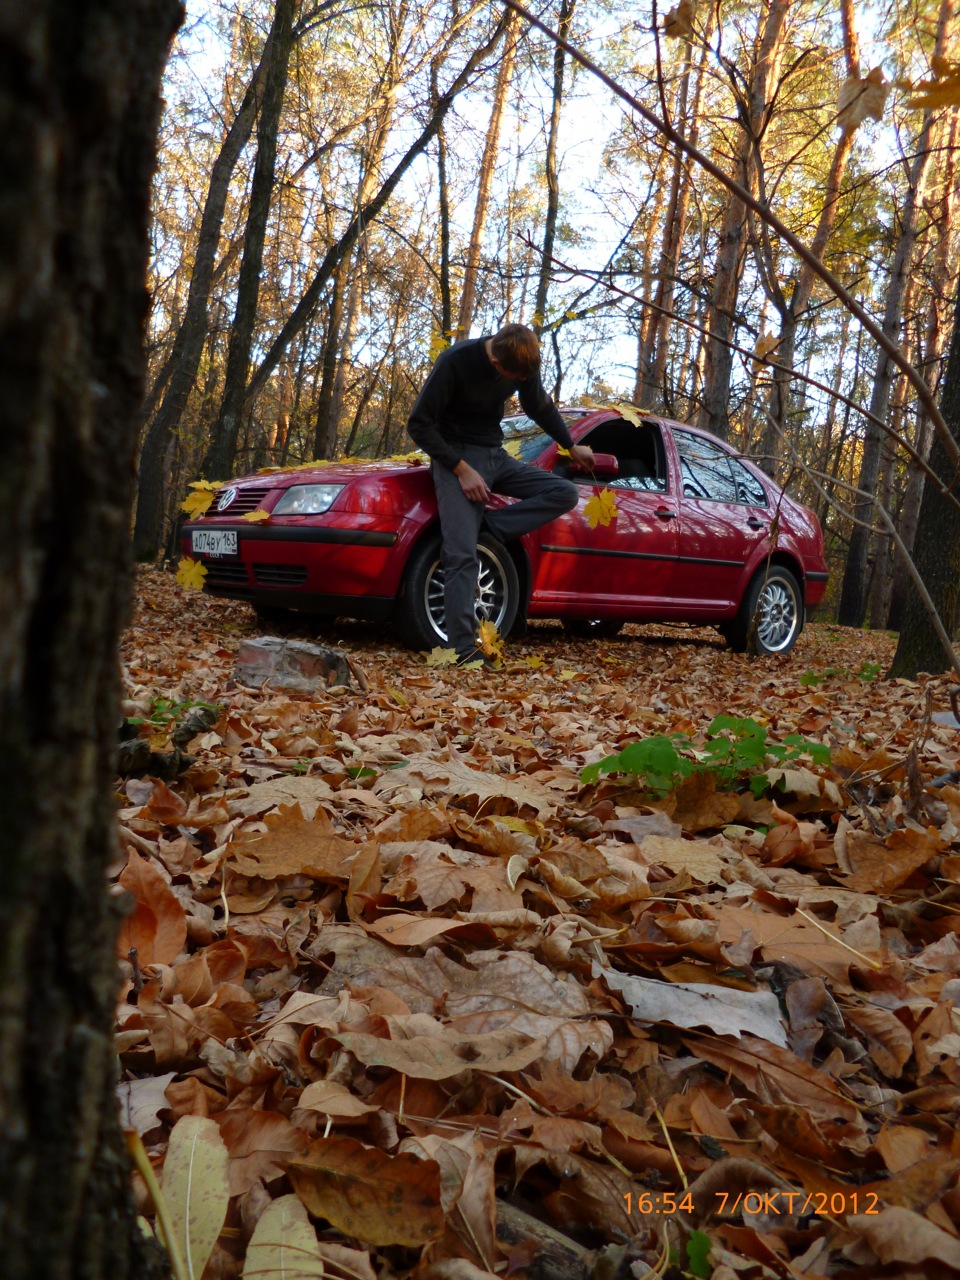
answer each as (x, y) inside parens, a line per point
(456, 421)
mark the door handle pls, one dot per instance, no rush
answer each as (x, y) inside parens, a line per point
(664, 513)
(756, 523)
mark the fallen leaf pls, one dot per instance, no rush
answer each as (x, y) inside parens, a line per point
(284, 1244)
(195, 1188)
(191, 573)
(368, 1194)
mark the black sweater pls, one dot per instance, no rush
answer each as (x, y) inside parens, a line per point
(462, 402)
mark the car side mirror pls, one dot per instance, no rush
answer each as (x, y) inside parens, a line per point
(605, 467)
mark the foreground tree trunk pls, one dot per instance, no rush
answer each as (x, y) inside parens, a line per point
(79, 99)
(936, 550)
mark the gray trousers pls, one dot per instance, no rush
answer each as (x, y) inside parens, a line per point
(542, 496)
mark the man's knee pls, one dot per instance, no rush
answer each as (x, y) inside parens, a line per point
(566, 493)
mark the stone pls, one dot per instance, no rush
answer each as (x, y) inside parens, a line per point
(294, 665)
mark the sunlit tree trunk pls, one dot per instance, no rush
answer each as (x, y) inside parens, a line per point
(717, 355)
(219, 461)
(852, 597)
(491, 150)
(178, 377)
(564, 18)
(655, 344)
(80, 103)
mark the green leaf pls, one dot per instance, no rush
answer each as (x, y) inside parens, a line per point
(698, 1254)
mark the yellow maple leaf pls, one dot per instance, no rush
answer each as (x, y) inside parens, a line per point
(490, 640)
(256, 517)
(191, 573)
(602, 508)
(439, 657)
(942, 91)
(629, 412)
(197, 502)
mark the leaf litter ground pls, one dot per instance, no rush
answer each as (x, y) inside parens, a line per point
(417, 1002)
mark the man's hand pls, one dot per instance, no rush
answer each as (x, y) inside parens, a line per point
(472, 482)
(582, 455)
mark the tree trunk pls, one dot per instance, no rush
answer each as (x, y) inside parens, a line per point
(655, 342)
(180, 370)
(936, 551)
(934, 338)
(491, 149)
(717, 353)
(80, 103)
(219, 461)
(564, 19)
(852, 595)
(308, 302)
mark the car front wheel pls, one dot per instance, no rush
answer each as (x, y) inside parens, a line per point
(421, 609)
(771, 613)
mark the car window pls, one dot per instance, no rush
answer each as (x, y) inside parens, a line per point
(710, 474)
(637, 449)
(523, 439)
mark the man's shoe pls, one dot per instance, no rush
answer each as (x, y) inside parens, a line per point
(476, 658)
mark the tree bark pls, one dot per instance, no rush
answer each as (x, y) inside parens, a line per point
(717, 354)
(364, 216)
(491, 149)
(936, 551)
(180, 371)
(218, 464)
(80, 102)
(853, 591)
(564, 19)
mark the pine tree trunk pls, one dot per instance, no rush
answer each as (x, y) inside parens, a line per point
(218, 464)
(491, 149)
(179, 375)
(80, 103)
(564, 19)
(936, 551)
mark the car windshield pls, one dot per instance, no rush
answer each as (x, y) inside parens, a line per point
(523, 439)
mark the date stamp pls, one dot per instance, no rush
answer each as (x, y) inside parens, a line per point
(821, 1204)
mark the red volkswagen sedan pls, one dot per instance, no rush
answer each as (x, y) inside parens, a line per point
(700, 535)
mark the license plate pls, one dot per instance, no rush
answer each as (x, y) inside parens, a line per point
(214, 542)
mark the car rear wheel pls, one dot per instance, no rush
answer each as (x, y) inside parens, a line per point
(592, 628)
(421, 610)
(771, 613)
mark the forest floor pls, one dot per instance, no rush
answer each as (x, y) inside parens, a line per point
(409, 998)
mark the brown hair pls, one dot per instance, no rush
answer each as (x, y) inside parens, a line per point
(517, 348)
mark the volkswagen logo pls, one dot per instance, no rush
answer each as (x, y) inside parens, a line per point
(226, 498)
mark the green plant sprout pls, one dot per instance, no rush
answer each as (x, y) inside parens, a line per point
(734, 746)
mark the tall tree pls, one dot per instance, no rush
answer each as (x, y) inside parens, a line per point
(564, 19)
(753, 111)
(936, 550)
(177, 379)
(79, 100)
(218, 463)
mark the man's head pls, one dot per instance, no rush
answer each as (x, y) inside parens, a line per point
(515, 352)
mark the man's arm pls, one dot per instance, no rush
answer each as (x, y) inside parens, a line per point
(423, 425)
(539, 406)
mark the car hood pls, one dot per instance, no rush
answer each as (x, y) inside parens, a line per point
(328, 472)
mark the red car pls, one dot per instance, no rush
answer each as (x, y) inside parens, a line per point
(700, 535)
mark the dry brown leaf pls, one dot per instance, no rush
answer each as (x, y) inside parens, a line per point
(422, 1048)
(294, 846)
(157, 928)
(367, 1194)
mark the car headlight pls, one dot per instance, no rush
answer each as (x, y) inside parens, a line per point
(307, 499)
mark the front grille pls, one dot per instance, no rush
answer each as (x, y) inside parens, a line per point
(222, 574)
(248, 499)
(280, 575)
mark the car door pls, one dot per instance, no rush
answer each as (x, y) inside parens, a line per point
(725, 517)
(629, 564)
